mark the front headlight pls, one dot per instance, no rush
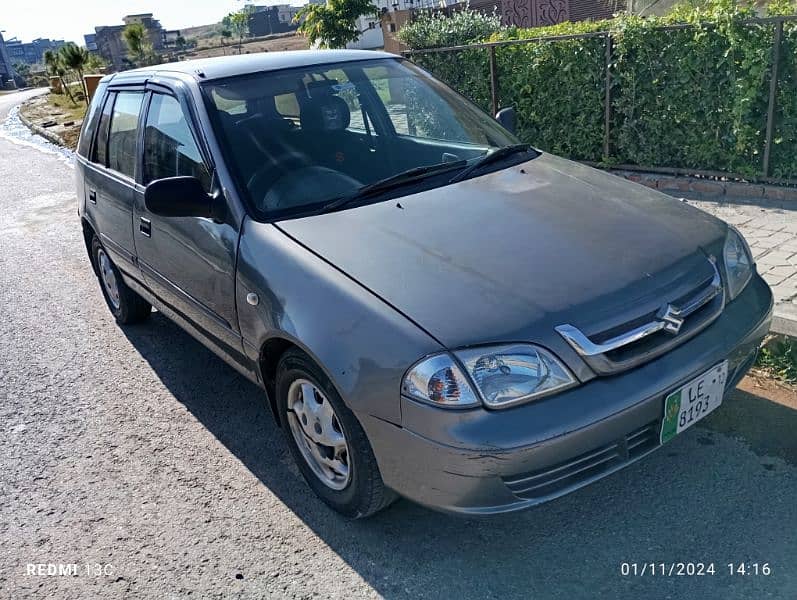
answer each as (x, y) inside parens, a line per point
(738, 262)
(501, 376)
(506, 375)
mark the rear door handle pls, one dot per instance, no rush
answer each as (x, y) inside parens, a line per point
(93, 196)
(145, 227)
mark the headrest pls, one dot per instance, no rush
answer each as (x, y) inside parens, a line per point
(325, 113)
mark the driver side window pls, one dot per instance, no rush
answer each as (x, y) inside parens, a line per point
(170, 149)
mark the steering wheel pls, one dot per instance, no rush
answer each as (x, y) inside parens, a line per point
(267, 175)
(302, 186)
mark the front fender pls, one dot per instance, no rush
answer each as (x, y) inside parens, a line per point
(362, 343)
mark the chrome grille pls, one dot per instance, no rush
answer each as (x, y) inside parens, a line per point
(587, 467)
(650, 335)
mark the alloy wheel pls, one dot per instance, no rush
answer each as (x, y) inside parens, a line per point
(318, 434)
(108, 278)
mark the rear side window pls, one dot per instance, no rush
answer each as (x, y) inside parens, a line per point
(170, 149)
(90, 122)
(100, 152)
(124, 132)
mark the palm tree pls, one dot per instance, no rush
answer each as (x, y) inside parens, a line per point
(140, 47)
(54, 66)
(75, 58)
(50, 61)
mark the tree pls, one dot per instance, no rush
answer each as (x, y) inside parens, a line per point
(238, 24)
(95, 63)
(333, 25)
(225, 33)
(22, 71)
(75, 58)
(50, 62)
(140, 50)
(54, 67)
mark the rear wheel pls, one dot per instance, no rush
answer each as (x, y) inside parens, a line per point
(326, 440)
(126, 306)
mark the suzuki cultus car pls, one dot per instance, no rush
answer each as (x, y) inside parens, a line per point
(434, 309)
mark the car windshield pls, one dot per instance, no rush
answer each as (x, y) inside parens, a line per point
(299, 139)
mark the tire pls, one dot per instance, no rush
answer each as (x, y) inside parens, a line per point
(364, 493)
(126, 306)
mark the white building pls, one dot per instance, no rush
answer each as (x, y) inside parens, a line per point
(370, 26)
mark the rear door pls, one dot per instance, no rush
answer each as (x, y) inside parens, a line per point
(110, 175)
(189, 262)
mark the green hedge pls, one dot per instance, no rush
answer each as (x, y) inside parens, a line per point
(690, 98)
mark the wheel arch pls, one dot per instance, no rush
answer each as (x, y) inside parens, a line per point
(88, 235)
(271, 351)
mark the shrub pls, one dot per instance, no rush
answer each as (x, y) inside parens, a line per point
(436, 30)
(779, 358)
(692, 98)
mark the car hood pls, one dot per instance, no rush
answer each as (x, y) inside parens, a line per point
(509, 255)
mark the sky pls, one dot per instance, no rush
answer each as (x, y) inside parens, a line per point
(59, 19)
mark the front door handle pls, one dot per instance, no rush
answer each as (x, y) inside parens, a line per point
(93, 196)
(145, 227)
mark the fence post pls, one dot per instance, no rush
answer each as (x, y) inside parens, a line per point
(773, 92)
(607, 98)
(493, 80)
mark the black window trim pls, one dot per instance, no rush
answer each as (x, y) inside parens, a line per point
(102, 89)
(108, 99)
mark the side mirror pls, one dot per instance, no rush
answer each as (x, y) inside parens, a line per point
(179, 197)
(506, 117)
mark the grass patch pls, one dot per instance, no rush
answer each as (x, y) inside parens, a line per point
(778, 358)
(61, 103)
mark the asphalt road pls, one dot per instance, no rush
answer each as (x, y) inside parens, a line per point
(138, 449)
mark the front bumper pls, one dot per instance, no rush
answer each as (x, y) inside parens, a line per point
(483, 462)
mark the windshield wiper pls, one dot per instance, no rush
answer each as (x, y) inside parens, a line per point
(489, 158)
(391, 182)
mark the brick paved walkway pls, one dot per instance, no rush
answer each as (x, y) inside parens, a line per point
(772, 235)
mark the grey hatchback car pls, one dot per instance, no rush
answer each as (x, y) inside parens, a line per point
(434, 309)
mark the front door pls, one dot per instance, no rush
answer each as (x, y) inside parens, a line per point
(189, 262)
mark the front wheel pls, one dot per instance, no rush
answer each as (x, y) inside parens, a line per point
(326, 440)
(127, 306)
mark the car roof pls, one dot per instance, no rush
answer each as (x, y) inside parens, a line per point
(207, 69)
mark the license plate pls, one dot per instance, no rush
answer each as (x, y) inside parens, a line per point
(688, 404)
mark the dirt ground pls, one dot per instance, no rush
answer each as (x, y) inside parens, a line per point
(57, 108)
(279, 42)
(764, 386)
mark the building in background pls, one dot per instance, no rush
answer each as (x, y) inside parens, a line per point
(266, 20)
(286, 13)
(371, 36)
(110, 45)
(6, 68)
(91, 42)
(31, 53)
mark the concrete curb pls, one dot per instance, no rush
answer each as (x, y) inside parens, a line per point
(701, 188)
(47, 135)
(784, 320)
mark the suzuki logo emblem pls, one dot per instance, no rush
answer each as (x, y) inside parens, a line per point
(671, 319)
